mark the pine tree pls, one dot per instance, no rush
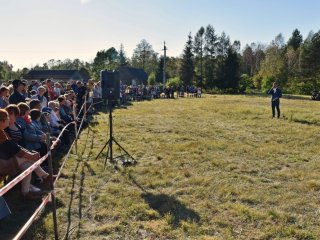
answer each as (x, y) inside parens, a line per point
(198, 51)
(187, 65)
(145, 57)
(223, 45)
(122, 56)
(159, 72)
(210, 47)
(310, 60)
(232, 70)
(295, 40)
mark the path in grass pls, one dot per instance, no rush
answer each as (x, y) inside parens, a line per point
(212, 168)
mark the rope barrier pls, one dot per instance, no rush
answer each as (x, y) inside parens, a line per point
(22, 175)
(55, 143)
(80, 110)
(66, 158)
(27, 225)
(45, 201)
(30, 169)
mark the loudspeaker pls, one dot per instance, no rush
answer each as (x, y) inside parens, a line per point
(110, 85)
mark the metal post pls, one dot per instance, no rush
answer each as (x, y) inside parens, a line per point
(111, 137)
(85, 107)
(75, 126)
(53, 198)
(164, 64)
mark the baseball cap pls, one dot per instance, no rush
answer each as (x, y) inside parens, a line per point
(46, 110)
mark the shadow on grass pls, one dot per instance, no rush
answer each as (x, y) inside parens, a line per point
(165, 204)
(285, 96)
(70, 229)
(105, 109)
(306, 122)
(297, 97)
(21, 211)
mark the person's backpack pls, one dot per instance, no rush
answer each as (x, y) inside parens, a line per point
(4, 208)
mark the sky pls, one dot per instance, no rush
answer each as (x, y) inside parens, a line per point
(35, 31)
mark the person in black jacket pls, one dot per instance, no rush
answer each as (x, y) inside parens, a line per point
(276, 94)
(17, 95)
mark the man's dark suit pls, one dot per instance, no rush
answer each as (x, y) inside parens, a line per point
(275, 101)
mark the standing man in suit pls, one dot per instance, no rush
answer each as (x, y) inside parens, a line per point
(276, 94)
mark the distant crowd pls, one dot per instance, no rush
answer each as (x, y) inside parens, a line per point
(143, 92)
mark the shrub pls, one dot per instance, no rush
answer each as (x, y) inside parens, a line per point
(174, 82)
(246, 83)
(152, 79)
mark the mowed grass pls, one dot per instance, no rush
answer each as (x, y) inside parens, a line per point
(216, 167)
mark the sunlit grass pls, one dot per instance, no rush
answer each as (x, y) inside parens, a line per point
(212, 168)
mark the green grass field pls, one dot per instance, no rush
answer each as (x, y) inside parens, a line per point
(212, 168)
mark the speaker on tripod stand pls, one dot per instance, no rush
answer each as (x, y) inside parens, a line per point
(110, 85)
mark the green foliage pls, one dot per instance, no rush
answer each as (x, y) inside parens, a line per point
(310, 60)
(198, 48)
(67, 64)
(257, 81)
(187, 63)
(145, 57)
(6, 72)
(105, 60)
(266, 83)
(122, 56)
(273, 67)
(295, 65)
(174, 82)
(159, 72)
(152, 79)
(232, 67)
(299, 87)
(245, 83)
(228, 74)
(295, 40)
(2, 72)
(173, 66)
(210, 56)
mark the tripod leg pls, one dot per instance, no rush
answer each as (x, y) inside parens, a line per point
(105, 161)
(123, 149)
(102, 149)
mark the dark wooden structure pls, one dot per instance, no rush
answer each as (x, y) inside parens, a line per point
(133, 76)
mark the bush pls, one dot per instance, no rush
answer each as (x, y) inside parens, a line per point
(266, 83)
(152, 79)
(174, 82)
(257, 79)
(296, 87)
(246, 83)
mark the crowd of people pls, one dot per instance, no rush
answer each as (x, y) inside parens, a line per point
(28, 113)
(143, 92)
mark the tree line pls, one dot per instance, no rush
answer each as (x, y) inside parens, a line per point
(212, 62)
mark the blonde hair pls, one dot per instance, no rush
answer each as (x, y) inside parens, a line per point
(3, 115)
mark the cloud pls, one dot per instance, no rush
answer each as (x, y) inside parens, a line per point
(84, 1)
